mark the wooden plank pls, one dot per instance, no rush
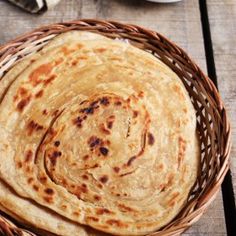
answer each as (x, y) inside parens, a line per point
(222, 16)
(180, 22)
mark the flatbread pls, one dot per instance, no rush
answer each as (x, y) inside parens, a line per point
(101, 133)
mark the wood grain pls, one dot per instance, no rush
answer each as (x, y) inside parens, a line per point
(222, 16)
(180, 22)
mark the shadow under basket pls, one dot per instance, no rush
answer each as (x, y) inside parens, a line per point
(212, 123)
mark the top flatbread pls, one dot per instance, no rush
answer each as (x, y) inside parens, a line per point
(101, 133)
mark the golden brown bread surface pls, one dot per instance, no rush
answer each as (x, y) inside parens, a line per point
(100, 133)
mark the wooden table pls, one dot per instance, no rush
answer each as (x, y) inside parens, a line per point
(185, 23)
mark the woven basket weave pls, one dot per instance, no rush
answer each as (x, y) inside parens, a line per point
(212, 122)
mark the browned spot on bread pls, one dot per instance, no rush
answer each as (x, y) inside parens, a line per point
(23, 103)
(90, 109)
(148, 224)
(92, 218)
(43, 179)
(85, 177)
(183, 178)
(104, 179)
(162, 187)
(30, 180)
(53, 160)
(117, 223)
(81, 189)
(93, 141)
(107, 142)
(35, 75)
(100, 49)
(116, 169)
(49, 191)
(135, 114)
(35, 187)
(56, 154)
(110, 121)
(58, 61)
(94, 166)
(170, 180)
(27, 169)
(185, 110)
(19, 164)
(82, 57)
(131, 160)
(175, 195)
(118, 194)
(33, 126)
(28, 156)
(76, 213)
(49, 80)
(115, 58)
(85, 157)
(178, 90)
(57, 143)
(160, 167)
(87, 110)
(56, 112)
(102, 211)
(66, 51)
(64, 182)
(171, 204)
(64, 207)
(100, 186)
(79, 45)
(104, 101)
(78, 121)
(15, 97)
(104, 151)
(48, 199)
(44, 112)
(141, 94)
(22, 91)
(103, 129)
(53, 157)
(118, 103)
(125, 208)
(94, 103)
(97, 197)
(151, 139)
(109, 124)
(172, 200)
(74, 63)
(182, 149)
(39, 94)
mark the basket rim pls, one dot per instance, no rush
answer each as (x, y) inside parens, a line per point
(108, 26)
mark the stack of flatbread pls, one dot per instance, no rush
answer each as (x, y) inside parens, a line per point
(96, 136)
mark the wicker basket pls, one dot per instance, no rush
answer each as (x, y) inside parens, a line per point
(212, 122)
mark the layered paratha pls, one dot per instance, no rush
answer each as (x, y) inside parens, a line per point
(100, 133)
